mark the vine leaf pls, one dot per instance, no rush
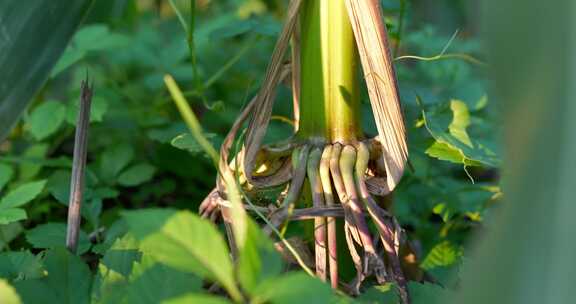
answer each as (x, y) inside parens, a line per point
(448, 126)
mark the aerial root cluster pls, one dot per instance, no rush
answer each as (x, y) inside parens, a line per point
(339, 188)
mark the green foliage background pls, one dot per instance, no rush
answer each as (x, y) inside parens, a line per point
(143, 165)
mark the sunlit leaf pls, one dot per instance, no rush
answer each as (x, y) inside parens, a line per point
(443, 254)
(258, 260)
(448, 127)
(8, 294)
(184, 241)
(197, 298)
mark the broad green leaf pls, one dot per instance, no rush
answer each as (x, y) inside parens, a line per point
(258, 260)
(379, 294)
(11, 215)
(448, 127)
(184, 241)
(22, 195)
(6, 173)
(53, 235)
(98, 109)
(426, 293)
(136, 175)
(9, 232)
(152, 282)
(294, 287)
(443, 151)
(122, 255)
(36, 154)
(197, 298)
(71, 55)
(8, 294)
(19, 265)
(115, 231)
(59, 187)
(442, 255)
(187, 142)
(114, 159)
(93, 37)
(166, 134)
(96, 37)
(68, 280)
(460, 121)
(46, 119)
(112, 279)
(91, 211)
(26, 63)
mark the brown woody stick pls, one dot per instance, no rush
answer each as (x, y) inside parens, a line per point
(78, 167)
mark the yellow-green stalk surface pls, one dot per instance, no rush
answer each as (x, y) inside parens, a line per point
(329, 100)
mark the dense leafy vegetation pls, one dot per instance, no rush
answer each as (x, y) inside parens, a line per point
(141, 240)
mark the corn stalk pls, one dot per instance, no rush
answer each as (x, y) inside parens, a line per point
(346, 170)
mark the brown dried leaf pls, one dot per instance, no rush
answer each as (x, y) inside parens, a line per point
(265, 98)
(371, 38)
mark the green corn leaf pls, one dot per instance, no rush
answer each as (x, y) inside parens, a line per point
(34, 36)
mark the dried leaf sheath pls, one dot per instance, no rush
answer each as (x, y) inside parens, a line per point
(371, 38)
(265, 98)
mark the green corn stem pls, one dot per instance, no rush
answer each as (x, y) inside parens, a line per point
(329, 99)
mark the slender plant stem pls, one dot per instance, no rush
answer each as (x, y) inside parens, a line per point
(190, 118)
(400, 27)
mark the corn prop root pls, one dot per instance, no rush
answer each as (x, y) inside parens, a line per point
(313, 171)
(342, 170)
(331, 221)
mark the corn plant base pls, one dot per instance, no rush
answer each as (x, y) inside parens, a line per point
(343, 180)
